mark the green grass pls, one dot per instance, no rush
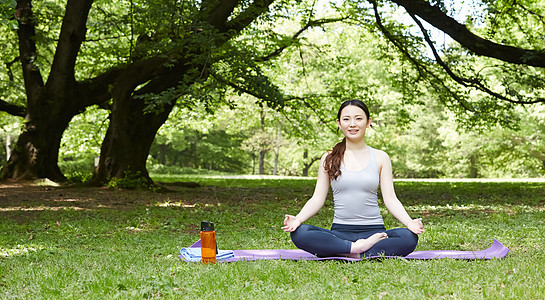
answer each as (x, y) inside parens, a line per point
(54, 249)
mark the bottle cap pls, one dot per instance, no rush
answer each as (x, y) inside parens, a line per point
(207, 226)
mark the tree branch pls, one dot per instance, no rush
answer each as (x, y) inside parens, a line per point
(12, 109)
(422, 70)
(27, 49)
(97, 90)
(236, 87)
(475, 83)
(438, 19)
(8, 66)
(287, 98)
(254, 10)
(217, 12)
(310, 23)
(72, 34)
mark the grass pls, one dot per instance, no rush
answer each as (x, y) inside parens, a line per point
(130, 251)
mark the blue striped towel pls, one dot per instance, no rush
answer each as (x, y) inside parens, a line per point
(194, 254)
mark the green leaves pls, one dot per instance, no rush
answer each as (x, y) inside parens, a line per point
(7, 14)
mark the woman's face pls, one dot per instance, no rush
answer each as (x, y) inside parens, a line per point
(353, 122)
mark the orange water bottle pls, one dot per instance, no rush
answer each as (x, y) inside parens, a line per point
(208, 242)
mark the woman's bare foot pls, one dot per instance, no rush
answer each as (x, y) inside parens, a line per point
(363, 245)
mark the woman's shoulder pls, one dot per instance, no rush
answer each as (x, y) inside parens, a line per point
(380, 155)
(325, 155)
(323, 160)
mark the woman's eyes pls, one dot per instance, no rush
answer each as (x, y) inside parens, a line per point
(357, 119)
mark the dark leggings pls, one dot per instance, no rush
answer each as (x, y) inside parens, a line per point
(338, 241)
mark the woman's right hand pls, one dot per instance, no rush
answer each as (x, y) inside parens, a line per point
(291, 223)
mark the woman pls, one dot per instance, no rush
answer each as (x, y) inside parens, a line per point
(355, 171)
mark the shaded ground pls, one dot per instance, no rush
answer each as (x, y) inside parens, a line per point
(428, 198)
(32, 197)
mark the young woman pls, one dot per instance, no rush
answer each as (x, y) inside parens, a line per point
(354, 171)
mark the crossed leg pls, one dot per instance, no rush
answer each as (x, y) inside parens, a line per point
(369, 241)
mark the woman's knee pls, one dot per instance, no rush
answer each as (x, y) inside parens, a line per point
(300, 234)
(409, 238)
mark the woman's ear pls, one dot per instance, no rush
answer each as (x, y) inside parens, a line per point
(369, 121)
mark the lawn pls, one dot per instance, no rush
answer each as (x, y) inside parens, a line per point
(101, 243)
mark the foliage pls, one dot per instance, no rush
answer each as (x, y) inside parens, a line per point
(80, 146)
(78, 170)
(124, 244)
(131, 181)
(7, 9)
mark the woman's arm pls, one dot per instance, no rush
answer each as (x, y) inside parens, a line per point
(393, 204)
(314, 204)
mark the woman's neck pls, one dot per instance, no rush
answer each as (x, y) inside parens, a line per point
(356, 146)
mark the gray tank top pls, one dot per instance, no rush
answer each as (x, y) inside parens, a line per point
(355, 195)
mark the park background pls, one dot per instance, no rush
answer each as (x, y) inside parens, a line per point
(124, 124)
(264, 102)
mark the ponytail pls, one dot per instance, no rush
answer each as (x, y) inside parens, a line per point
(332, 164)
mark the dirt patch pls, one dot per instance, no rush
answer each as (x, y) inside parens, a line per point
(32, 196)
(29, 196)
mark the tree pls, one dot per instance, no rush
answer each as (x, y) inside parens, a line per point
(51, 103)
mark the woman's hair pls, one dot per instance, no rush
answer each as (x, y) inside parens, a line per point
(333, 160)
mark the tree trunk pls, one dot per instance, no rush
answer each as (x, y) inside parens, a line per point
(36, 151)
(278, 142)
(308, 164)
(163, 154)
(8, 147)
(125, 148)
(52, 105)
(473, 171)
(131, 131)
(130, 134)
(305, 165)
(263, 145)
(262, 162)
(253, 164)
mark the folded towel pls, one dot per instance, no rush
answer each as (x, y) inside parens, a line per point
(194, 254)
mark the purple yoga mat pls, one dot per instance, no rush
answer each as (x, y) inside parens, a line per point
(497, 250)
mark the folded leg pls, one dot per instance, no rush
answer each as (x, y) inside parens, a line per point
(320, 242)
(400, 242)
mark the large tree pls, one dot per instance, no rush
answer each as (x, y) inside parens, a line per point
(50, 103)
(160, 80)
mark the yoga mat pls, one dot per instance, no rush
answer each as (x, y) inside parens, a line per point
(497, 250)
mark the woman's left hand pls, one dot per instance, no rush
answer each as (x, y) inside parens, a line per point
(416, 226)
